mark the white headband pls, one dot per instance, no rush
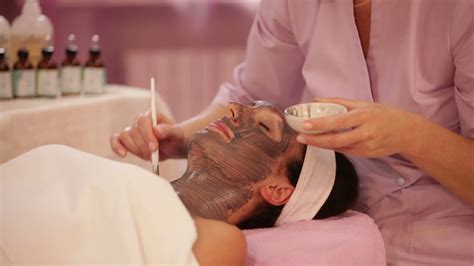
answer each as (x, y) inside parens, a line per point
(314, 185)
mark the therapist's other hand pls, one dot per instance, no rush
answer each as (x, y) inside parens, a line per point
(141, 139)
(366, 130)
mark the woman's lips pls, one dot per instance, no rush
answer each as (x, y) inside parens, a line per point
(223, 130)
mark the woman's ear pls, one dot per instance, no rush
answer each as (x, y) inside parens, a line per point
(277, 192)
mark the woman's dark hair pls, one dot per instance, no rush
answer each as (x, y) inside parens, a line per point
(342, 197)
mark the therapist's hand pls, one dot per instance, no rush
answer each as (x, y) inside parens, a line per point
(141, 139)
(370, 129)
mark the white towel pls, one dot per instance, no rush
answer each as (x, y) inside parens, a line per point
(64, 206)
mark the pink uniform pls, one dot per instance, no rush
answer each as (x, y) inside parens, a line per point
(420, 59)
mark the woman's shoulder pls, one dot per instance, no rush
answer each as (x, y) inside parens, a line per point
(219, 243)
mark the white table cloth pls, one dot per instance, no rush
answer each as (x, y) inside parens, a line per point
(81, 122)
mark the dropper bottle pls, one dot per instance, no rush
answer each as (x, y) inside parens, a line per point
(6, 91)
(23, 76)
(94, 69)
(70, 74)
(5, 39)
(47, 72)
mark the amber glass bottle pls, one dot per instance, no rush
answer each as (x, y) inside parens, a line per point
(70, 74)
(6, 91)
(94, 70)
(47, 71)
(23, 76)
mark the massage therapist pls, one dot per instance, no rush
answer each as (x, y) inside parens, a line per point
(405, 71)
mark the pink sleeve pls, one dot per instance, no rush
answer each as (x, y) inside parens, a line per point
(272, 67)
(463, 55)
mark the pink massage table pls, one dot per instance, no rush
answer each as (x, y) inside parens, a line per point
(351, 239)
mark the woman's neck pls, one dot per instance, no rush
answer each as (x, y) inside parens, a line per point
(210, 194)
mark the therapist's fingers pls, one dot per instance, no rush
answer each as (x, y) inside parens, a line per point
(172, 141)
(117, 147)
(334, 122)
(140, 143)
(143, 122)
(127, 142)
(349, 104)
(333, 140)
(164, 131)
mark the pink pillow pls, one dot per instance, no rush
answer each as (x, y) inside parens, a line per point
(350, 239)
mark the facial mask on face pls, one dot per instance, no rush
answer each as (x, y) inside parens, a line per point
(220, 175)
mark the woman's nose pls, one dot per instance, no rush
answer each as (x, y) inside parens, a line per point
(234, 111)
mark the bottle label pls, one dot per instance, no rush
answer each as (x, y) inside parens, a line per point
(94, 80)
(47, 82)
(24, 83)
(6, 91)
(71, 79)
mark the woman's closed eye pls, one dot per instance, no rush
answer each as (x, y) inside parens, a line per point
(232, 114)
(271, 128)
(264, 127)
(269, 121)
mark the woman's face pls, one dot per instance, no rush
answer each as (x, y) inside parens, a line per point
(232, 154)
(246, 143)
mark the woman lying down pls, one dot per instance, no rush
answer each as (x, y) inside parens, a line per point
(62, 206)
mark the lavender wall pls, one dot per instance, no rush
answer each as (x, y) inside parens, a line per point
(151, 26)
(126, 26)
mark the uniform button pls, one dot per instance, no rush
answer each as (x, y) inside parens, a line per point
(401, 181)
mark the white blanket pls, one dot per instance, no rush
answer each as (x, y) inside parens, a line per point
(63, 206)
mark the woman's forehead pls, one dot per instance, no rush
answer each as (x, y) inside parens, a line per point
(267, 109)
(266, 104)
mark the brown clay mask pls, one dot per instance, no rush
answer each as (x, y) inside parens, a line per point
(229, 156)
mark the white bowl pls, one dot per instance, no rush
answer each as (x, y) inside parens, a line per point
(297, 114)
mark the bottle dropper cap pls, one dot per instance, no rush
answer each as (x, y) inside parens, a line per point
(23, 53)
(2, 53)
(71, 49)
(48, 48)
(95, 48)
(47, 51)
